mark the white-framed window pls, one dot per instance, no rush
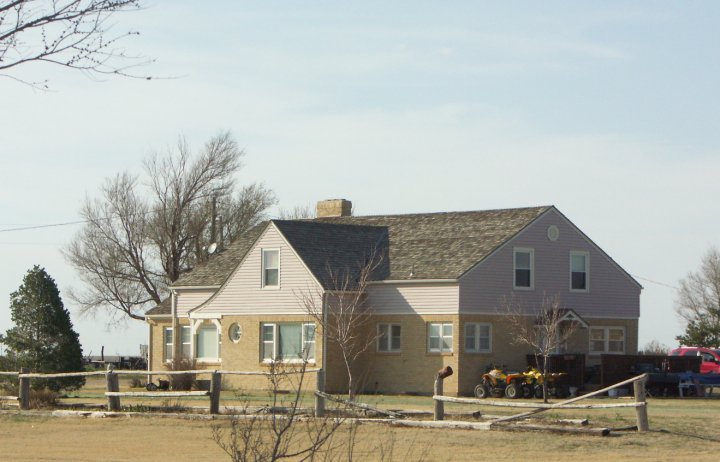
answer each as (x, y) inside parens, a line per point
(440, 337)
(208, 343)
(186, 341)
(607, 340)
(288, 342)
(478, 337)
(168, 343)
(271, 268)
(579, 265)
(523, 268)
(388, 337)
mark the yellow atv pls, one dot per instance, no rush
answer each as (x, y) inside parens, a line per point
(555, 383)
(497, 383)
(493, 383)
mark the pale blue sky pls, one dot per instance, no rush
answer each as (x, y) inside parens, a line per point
(607, 110)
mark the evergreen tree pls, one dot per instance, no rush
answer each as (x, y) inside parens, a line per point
(43, 338)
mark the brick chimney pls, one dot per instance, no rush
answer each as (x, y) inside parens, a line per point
(334, 208)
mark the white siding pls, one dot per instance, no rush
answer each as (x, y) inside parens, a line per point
(415, 298)
(611, 293)
(243, 292)
(187, 299)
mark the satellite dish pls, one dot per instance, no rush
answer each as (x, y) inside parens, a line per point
(212, 248)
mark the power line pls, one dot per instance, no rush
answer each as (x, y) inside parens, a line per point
(655, 282)
(80, 222)
(25, 228)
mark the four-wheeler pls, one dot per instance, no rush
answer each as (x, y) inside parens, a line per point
(521, 384)
(493, 383)
(556, 383)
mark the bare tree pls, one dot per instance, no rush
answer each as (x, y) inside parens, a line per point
(542, 329)
(138, 238)
(70, 33)
(287, 430)
(286, 435)
(343, 314)
(654, 347)
(297, 212)
(698, 303)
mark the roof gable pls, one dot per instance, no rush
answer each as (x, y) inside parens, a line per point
(414, 246)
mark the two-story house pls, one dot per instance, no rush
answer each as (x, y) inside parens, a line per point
(436, 300)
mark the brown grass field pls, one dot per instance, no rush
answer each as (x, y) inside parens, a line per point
(681, 429)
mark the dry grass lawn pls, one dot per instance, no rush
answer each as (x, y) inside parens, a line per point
(683, 429)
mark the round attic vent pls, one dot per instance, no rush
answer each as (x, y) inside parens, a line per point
(553, 233)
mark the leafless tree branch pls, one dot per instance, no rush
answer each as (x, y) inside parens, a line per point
(142, 236)
(71, 33)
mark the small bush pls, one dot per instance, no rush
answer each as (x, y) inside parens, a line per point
(43, 399)
(181, 382)
(137, 382)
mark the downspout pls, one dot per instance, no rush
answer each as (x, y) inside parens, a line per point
(324, 353)
(149, 352)
(173, 314)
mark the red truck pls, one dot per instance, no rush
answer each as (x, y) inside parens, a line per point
(710, 357)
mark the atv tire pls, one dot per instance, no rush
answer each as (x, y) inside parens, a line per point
(527, 391)
(513, 391)
(481, 391)
(538, 392)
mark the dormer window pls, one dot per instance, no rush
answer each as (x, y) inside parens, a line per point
(271, 268)
(523, 262)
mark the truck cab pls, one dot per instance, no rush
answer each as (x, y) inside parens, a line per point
(710, 357)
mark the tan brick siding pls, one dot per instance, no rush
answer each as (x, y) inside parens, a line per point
(412, 370)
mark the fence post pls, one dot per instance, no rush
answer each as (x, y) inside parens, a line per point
(215, 388)
(24, 390)
(439, 405)
(319, 400)
(643, 424)
(113, 384)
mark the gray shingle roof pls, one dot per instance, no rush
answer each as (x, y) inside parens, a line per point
(420, 246)
(161, 309)
(444, 245)
(218, 267)
(336, 253)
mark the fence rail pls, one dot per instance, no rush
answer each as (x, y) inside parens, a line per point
(640, 403)
(113, 393)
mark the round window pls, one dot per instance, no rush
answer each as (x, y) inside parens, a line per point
(553, 233)
(235, 332)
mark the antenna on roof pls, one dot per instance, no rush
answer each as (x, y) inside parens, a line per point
(212, 248)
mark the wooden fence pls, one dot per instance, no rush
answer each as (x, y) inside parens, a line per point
(640, 403)
(114, 394)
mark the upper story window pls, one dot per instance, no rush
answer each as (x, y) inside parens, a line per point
(607, 340)
(477, 337)
(523, 266)
(440, 337)
(579, 271)
(388, 337)
(271, 268)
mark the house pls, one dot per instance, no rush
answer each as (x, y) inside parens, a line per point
(436, 300)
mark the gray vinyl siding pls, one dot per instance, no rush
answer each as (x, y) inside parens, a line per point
(187, 299)
(612, 292)
(243, 293)
(416, 298)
